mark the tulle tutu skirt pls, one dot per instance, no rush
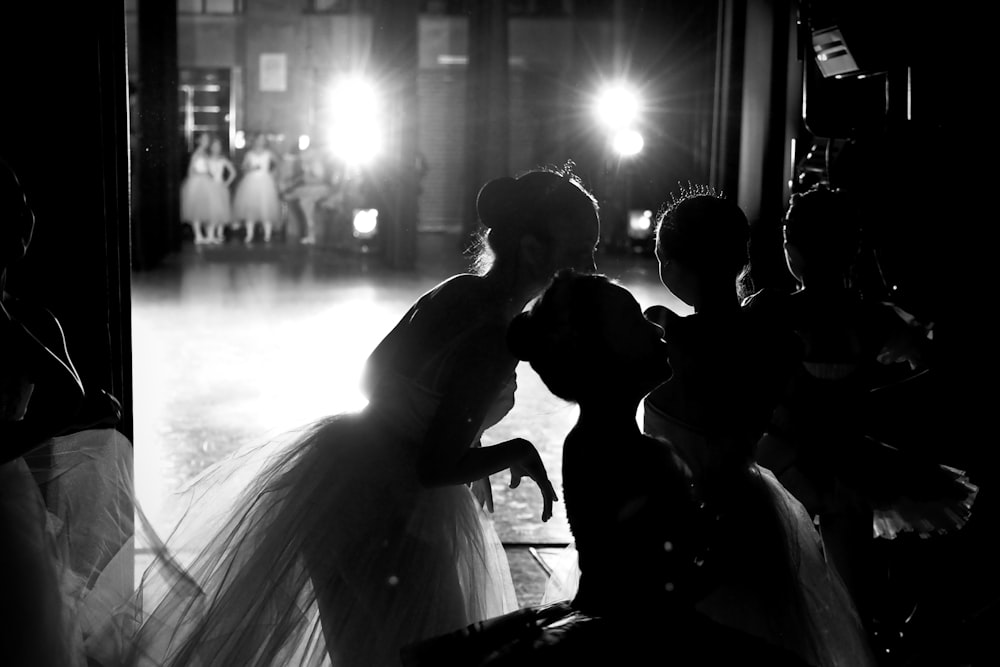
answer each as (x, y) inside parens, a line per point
(88, 492)
(776, 584)
(79, 536)
(256, 198)
(39, 626)
(323, 549)
(905, 492)
(204, 199)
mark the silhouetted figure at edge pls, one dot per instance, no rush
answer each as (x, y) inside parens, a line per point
(817, 443)
(730, 365)
(360, 534)
(644, 541)
(65, 481)
(37, 628)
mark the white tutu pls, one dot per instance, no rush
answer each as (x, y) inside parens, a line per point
(78, 541)
(203, 197)
(200, 200)
(776, 582)
(40, 627)
(256, 196)
(336, 520)
(88, 494)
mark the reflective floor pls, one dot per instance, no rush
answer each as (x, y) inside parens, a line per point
(234, 345)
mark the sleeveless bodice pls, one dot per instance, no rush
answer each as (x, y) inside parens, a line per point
(217, 167)
(256, 161)
(199, 164)
(405, 396)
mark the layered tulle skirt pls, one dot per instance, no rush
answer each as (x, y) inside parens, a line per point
(66, 513)
(256, 198)
(773, 578)
(775, 581)
(205, 200)
(323, 549)
(904, 492)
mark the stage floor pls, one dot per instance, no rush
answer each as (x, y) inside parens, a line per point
(235, 344)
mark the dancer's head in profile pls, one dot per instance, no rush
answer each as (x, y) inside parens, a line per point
(822, 237)
(587, 339)
(215, 147)
(702, 247)
(536, 224)
(204, 141)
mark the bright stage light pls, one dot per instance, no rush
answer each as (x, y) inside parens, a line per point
(617, 106)
(627, 142)
(365, 222)
(639, 222)
(354, 130)
(303, 142)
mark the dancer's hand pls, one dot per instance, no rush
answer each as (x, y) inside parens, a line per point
(483, 492)
(481, 488)
(531, 466)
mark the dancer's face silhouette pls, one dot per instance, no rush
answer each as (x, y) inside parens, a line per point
(635, 344)
(793, 260)
(674, 277)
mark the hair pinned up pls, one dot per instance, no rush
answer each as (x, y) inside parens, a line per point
(562, 334)
(495, 202)
(704, 231)
(824, 225)
(533, 204)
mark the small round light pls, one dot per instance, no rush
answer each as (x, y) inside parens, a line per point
(365, 221)
(627, 143)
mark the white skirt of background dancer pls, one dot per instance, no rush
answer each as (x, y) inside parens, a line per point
(200, 200)
(256, 198)
(825, 629)
(334, 517)
(204, 199)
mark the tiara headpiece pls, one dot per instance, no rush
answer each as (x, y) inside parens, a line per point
(690, 192)
(566, 174)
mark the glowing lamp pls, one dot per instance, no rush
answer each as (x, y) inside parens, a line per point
(627, 142)
(617, 106)
(365, 222)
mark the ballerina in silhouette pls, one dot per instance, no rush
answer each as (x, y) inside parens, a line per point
(362, 534)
